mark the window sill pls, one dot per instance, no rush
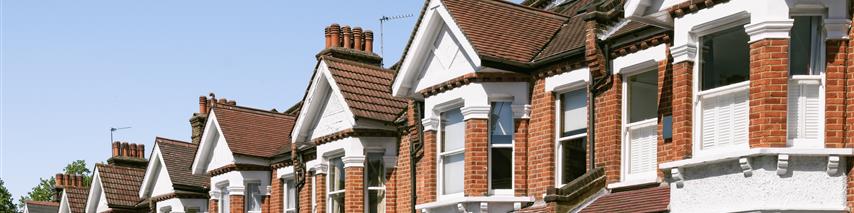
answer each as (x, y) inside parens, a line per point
(489, 199)
(632, 183)
(714, 158)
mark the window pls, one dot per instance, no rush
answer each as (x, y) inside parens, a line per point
(805, 84)
(336, 185)
(725, 58)
(290, 193)
(640, 136)
(572, 139)
(376, 183)
(223, 199)
(452, 150)
(805, 46)
(253, 197)
(723, 97)
(501, 146)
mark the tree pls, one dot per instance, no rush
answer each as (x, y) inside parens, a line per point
(44, 191)
(6, 202)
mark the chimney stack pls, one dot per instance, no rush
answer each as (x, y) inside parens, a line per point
(354, 44)
(128, 154)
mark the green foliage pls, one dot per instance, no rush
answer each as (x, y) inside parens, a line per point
(6, 202)
(44, 191)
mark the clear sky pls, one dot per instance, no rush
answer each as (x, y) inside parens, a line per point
(70, 70)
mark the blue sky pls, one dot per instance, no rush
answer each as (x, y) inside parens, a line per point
(70, 70)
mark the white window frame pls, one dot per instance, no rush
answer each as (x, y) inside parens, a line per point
(698, 32)
(329, 184)
(559, 130)
(286, 196)
(374, 188)
(247, 197)
(818, 56)
(439, 154)
(223, 206)
(509, 191)
(624, 133)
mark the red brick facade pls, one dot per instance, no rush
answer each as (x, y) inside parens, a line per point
(769, 75)
(236, 204)
(274, 201)
(520, 158)
(683, 107)
(541, 141)
(354, 189)
(213, 205)
(305, 205)
(426, 172)
(476, 158)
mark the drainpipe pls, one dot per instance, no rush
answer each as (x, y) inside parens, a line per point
(412, 150)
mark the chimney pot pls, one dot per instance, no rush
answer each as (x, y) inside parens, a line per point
(60, 180)
(328, 37)
(132, 150)
(203, 105)
(232, 102)
(347, 37)
(116, 150)
(140, 149)
(334, 32)
(223, 101)
(358, 38)
(124, 149)
(369, 41)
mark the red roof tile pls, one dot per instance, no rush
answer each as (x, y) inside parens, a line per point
(254, 132)
(571, 35)
(77, 198)
(121, 184)
(178, 157)
(654, 199)
(366, 89)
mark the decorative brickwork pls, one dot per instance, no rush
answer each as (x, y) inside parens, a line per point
(236, 205)
(476, 158)
(608, 108)
(541, 141)
(354, 189)
(682, 107)
(769, 74)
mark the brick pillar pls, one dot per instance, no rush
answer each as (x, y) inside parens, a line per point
(682, 107)
(769, 77)
(849, 114)
(426, 179)
(476, 158)
(236, 205)
(541, 141)
(265, 203)
(835, 92)
(305, 195)
(520, 159)
(276, 202)
(608, 108)
(665, 101)
(354, 189)
(213, 205)
(320, 195)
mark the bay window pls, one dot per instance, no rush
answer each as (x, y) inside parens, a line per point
(501, 147)
(572, 135)
(640, 134)
(723, 91)
(253, 197)
(336, 185)
(452, 152)
(376, 183)
(805, 83)
(290, 193)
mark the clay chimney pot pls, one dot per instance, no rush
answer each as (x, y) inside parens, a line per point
(334, 32)
(140, 149)
(347, 37)
(60, 180)
(116, 150)
(132, 150)
(203, 105)
(357, 38)
(328, 37)
(369, 41)
(124, 149)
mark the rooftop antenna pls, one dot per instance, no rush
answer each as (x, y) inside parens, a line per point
(114, 129)
(383, 20)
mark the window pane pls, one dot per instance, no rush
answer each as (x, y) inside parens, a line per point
(336, 174)
(800, 58)
(453, 168)
(376, 201)
(223, 200)
(253, 197)
(292, 194)
(376, 172)
(453, 130)
(573, 159)
(574, 112)
(725, 58)
(643, 98)
(502, 168)
(337, 202)
(501, 121)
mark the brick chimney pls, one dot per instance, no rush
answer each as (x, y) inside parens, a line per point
(128, 155)
(64, 181)
(198, 120)
(350, 43)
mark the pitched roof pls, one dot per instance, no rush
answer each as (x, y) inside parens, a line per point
(77, 198)
(504, 30)
(571, 35)
(366, 89)
(178, 157)
(42, 207)
(254, 132)
(120, 184)
(654, 199)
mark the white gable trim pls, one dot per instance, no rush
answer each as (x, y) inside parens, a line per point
(205, 152)
(434, 18)
(97, 200)
(310, 113)
(155, 166)
(64, 206)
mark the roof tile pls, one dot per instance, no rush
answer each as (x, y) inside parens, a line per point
(654, 199)
(178, 157)
(121, 184)
(366, 89)
(77, 198)
(254, 132)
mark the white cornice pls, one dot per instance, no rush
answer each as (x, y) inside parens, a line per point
(353, 161)
(768, 29)
(685, 52)
(236, 190)
(475, 112)
(430, 123)
(837, 29)
(697, 161)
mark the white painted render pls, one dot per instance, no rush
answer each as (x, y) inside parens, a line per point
(285, 172)
(213, 150)
(436, 24)
(475, 98)
(64, 206)
(156, 180)
(97, 200)
(178, 205)
(640, 61)
(236, 181)
(568, 80)
(323, 104)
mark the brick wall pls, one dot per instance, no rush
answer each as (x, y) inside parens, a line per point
(476, 158)
(520, 159)
(682, 107)
(275, 201)
(213, 205)
(849, 114)
(608, 129)
(769, 75)
(305, 195)
(236, 205)
(354, 189)
(541, 141)
(835, 93)
(665, 103)
(320, 194)
(426, 179)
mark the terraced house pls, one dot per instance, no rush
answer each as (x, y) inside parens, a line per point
(540, 106)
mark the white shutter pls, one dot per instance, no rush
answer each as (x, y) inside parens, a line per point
(708, 124)
(804, 111)
(642, 148)
(794, 109)
(812, 111)
(725, 120)
(740, 118)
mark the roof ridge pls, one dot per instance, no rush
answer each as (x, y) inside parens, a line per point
(378, 68)
(255, 111)
(159, 139)
(526, 8)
